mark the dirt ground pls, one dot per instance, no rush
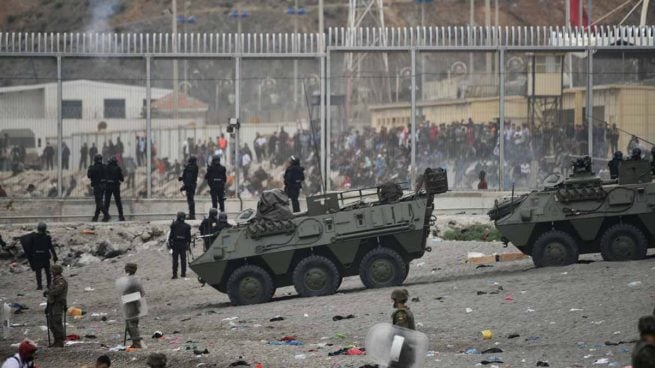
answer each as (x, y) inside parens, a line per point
(564, 316)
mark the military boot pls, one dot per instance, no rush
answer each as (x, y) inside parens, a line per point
(106, 218)
(121, 218)
(136, 344)
(57, 344)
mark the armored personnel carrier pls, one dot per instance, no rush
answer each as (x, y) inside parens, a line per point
(340, 235)
(583, 214)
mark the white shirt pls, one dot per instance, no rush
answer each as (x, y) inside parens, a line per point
(16, 362)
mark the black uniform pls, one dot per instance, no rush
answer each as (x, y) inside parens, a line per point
(613, 166)
(216, 178)
(38, 250)
(96, 173)
(293, 178)
(179, 241)
(208, 226)
(114, 178)
(189, 179)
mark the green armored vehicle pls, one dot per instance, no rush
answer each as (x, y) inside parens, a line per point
(583, 214)
(340, 235)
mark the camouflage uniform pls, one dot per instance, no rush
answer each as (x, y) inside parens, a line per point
(133, 310)
(56, 294)
(403, 317)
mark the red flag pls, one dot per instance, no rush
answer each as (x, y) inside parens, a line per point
(575, 15)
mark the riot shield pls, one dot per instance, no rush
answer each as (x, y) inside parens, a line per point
(132, 298)
(392, 346)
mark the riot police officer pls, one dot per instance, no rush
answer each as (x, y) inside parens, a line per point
(96, 173)
(614, 164)
(636, 154)
(189, 180)
(38, 251)
(179, 241)
(293, 178)
(216, 179)
(114, 178)
(209, 226)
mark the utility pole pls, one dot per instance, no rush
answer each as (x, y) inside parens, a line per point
(487, 24)
(295, 60)
(176, 92)
(471, 24)
(186, 64)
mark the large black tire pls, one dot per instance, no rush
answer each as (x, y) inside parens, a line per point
(316, 276)
(623, 242)
(554, 248)
(382, 267)
(250, 284)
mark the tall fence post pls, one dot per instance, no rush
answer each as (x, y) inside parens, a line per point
(324, 173)
(237, 110)
(590, 100)
(328, 121)
(412, 119)
(501, 119)
(60, 132)
(148, 129)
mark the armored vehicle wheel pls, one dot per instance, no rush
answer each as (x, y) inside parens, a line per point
(554, 248)
(250, 284)
(382, 267)
(316, 276)
(623, 242)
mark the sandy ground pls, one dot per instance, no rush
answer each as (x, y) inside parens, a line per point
(563, 315)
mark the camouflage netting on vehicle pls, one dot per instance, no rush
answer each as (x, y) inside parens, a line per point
(389, 192)
(273, 215)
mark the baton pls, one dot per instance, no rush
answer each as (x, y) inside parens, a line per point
(47, 321)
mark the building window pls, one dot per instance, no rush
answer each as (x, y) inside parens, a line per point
(114, 109)
(71, 109)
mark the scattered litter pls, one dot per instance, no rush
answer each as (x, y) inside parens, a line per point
(575, 310)
(87, 232)
(597, 322)
(239, 363)
(634, 284)
(481, 292)
(44, 304)
(529, 310)
(276, 319)
(89, 288)
(340, 335)
(469, 310)
(420, 264)
(73, 337)
(200, 352)
(493, 351)
(306, 315)
(348, 351)
(43, 328)
(117, 348)
(300, 356)
(483, 266)
(416, 299)
(601, 361)
(18, 308)
(532, 338)
(542, 364)
(564, 273)
(75, 311)
(230, 319)
(157, 335)
(509, 298)
(339, 318)
(492, 360)
(90, 336)
(610, 343)
(487, 334)
(471, 351)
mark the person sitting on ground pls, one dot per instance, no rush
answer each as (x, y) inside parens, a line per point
(24, 358)
(643, 354)
(156, 360)
(103, 362)
(402, 316)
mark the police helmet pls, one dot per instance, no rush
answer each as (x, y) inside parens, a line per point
(636, 152)
(294, 160)
(222, 217)
(41, 227)
(618, 155)
(113, 160)
(400, 295)
(192, 159)
(57, 269)
(213, 212)
(97, 158)
(216, 159)
(181, 216)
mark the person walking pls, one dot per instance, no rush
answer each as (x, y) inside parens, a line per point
(114, 178)
(56, 306)
(84, 156)
(216, 177)
(179, 241)
(38, 251)
(189, 181)
(133, 309)
(293, 178)
(97, 174)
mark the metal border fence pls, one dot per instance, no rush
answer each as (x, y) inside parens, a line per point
(322, 47)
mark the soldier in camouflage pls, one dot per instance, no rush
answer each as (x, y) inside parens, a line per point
(133, 309)
(402, 316)
(56, 306)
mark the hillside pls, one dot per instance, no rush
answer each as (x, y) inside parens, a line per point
(270, 16)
